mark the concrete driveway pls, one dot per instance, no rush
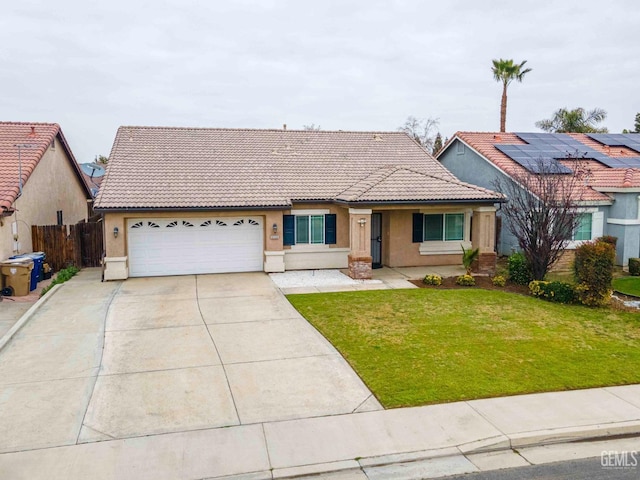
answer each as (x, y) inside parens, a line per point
(113, 360)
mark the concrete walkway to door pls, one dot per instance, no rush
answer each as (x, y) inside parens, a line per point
(146, 356)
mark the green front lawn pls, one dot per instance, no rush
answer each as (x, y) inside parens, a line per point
(414, 347)
(627, 285)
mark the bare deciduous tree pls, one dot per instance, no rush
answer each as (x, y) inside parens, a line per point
(313, 127)
(542, 210)
(421, 130)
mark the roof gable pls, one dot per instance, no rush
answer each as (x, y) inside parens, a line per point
(158, 167)
(602, 176)
(34, 139)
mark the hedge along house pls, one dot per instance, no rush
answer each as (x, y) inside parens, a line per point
(610, 195)
(202, 200)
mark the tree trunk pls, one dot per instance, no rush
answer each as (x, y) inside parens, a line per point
(503, 109)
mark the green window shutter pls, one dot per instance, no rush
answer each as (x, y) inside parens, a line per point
(288, 226)
(330, 229)
(417, 227)
(433, 228)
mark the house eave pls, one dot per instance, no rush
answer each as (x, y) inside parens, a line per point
(187, 209)
(421, 202)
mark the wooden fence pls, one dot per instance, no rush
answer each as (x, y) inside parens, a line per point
(64, 245)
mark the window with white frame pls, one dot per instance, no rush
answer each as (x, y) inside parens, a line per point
(445, 227)
(309, 229)
(584, 229)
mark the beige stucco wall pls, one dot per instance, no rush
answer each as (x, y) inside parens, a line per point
(398, 249)
(117, 247)
(52, 186)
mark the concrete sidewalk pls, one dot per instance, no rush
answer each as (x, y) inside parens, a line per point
(451, 438)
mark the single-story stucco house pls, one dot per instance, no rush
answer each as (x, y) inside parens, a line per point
(207, 200)
(40, 183)
(610, 194)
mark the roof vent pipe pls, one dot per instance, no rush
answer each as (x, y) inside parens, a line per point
(284, 126)
(33, 132)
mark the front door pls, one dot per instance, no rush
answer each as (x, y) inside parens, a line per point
(376, 240)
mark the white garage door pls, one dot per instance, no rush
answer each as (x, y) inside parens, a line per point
(182, 246)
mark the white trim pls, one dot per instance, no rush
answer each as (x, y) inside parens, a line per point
(443, 248)
(484, 209)
(310, 247)
(601, 203)
(624, 221)
(617, 189)
(319, 211)
(360, 211)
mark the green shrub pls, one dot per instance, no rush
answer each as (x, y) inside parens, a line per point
(519, 270)
(593, 269)
(608, 239)
(466, 280)
(560, 292)
(499, 281)
(634, 266)
(468, 257)
(61, 277)
(432, 280)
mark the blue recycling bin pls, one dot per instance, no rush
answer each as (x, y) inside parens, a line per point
(37, 273)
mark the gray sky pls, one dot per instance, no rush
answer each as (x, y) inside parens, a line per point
(350, 65)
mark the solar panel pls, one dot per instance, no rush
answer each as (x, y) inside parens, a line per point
(532, 160)
(629, 140)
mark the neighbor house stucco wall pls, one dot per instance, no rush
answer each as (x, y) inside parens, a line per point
(470, 167)
(52, 186)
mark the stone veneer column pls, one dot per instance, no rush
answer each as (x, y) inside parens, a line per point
(484, 238)
(360, 243)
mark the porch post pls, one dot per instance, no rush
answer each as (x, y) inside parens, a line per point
(483, 237)
(360, 243)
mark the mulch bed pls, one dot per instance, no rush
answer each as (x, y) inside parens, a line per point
(481, 282)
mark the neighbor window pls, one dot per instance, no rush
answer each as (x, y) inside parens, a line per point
(443, 227)
(309, 229)
(583, 230)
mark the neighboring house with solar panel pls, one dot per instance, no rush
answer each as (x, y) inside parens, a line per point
(611, 194)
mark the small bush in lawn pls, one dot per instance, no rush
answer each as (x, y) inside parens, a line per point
(432, 280)
(634, 266)
(499, 281)
(593, 269)
(560, 292)
(62, 276)
(519, 270)
(466, 280)
(608, 239)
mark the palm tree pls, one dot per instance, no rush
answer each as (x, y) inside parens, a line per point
(506, 71)
(577, 120)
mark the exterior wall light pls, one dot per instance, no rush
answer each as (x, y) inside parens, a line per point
(115, 232)
(275, 228)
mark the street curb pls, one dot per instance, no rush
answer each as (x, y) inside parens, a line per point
(26, 316)
(502, 443)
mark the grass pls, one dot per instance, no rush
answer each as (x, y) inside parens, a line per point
(422, 346)
(627, 285)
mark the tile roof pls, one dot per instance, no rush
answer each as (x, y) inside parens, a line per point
(401, 184)
(159, 167)
(36, 137)
(601, 176)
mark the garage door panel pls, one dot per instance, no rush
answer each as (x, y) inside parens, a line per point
(194, 246)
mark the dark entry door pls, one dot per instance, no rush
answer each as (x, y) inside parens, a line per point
(376, 240)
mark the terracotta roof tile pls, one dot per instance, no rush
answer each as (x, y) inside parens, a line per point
(38, 136)
(601, 176)
(159, 167)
